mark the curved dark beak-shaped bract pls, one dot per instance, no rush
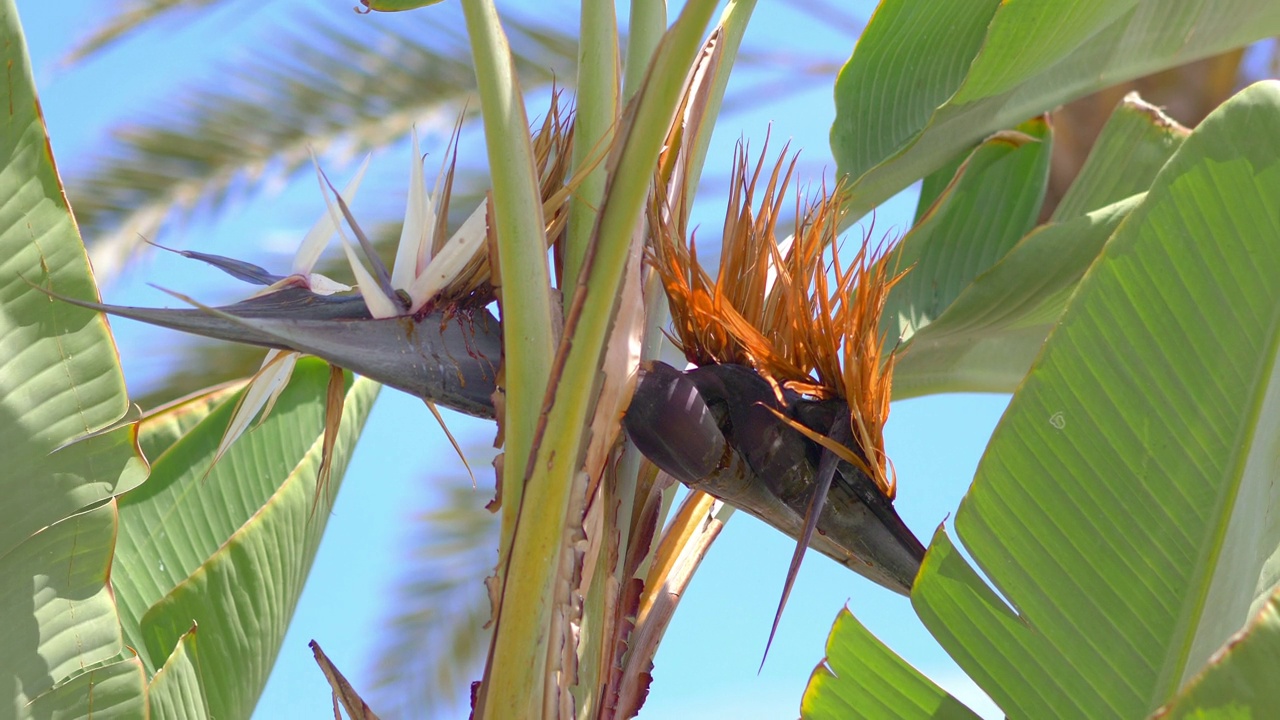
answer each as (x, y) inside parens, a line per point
(451, 359)
(711, 427)
(754, 461)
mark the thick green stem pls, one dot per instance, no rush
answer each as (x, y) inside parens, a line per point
(595, 122)
(516, 216)
(647, 23)
(523, 631)
(594, 125)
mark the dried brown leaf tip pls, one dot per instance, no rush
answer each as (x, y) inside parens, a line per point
(552, 156)
(343, 693)
(792, 310)
(552, 145)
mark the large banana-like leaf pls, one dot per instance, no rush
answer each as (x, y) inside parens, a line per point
(931, 78)
(59, 381)
(987, 310)
(1131, 149)
(987, 338)
(209, 569)
(224, 558)
(861, 678)
(175, 691)
(1240, 681)
(166, 425)
(990, 203)
(1124, 506)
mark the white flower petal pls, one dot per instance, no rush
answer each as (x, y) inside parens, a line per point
(380, 306)
(279, 378)
(322, 285)
(433, 210)
(263, 390)
(290, 281)
(452, 258)
(415, 232)
(318, 237)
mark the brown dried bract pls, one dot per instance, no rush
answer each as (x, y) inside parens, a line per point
(791, 310)
(552, 153)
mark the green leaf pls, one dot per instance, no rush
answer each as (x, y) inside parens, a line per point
(60, 382)
(928, 79)
(396, 5)
(176, 691)
(163, 427)
(911, 57)
(252, 525)
(1239, 682)
(861, 678)
(115, 690)
(932, 185)
(59, 614)
(1137, 140)
(1123, 507)
(990, 204)
(986, 339)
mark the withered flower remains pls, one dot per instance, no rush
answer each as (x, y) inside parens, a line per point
(784, 414)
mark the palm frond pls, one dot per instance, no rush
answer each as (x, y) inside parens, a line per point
(131, 16)
(318, 88)
(432, 644)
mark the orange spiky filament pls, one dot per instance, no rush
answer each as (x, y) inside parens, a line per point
(848, 351)
(783, 311)
(720, 321)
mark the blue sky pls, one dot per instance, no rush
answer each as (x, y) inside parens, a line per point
(707, 665)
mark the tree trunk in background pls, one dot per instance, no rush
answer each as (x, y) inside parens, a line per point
(1186, 93)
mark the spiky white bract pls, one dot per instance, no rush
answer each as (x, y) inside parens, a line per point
(418, 221)
(277, 367)
(263, 390)
(318, 237)
(419, 271)
(379, 304)
(445, 267)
